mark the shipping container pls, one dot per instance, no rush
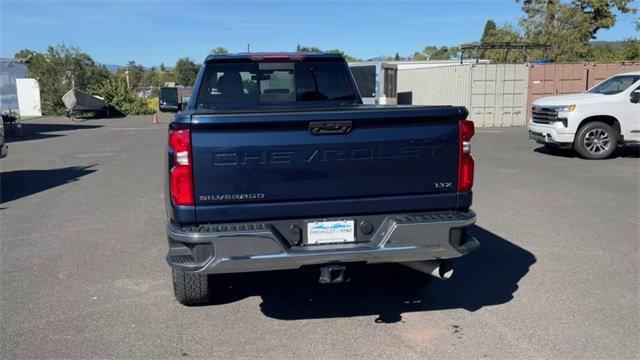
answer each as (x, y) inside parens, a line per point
(499, 94)
(446, 85)
(495, 94)
(599, 72)
(376, 81)
(570, 78)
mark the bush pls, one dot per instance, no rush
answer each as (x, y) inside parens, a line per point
(154, 103)
(115, 93)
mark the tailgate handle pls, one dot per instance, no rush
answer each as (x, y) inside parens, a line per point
(329, 127)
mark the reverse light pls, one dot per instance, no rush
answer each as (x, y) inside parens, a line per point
(466, 165)
(181, 175)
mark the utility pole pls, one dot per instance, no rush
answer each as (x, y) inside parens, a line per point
(248, 48)
(72, 78)
(126, 72)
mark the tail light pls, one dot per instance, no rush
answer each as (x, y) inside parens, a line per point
(465, 161)
(180, 174)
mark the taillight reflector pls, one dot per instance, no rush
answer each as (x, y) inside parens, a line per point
(181, 175)
(465, 161)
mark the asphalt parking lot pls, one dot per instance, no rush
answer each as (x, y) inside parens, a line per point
(83, 273)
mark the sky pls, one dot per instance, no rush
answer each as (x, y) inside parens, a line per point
(154, 32)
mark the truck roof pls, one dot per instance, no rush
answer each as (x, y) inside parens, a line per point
(276, 56)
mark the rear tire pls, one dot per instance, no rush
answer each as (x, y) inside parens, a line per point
(191, 288)
(596, 140)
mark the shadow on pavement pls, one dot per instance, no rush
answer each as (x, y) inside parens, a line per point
(629, 151)
(488, 276)
(34, 131)
(20, 183)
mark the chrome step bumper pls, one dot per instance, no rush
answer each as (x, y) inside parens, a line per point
(259, 247)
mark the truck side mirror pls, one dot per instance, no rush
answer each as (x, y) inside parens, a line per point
(635, 97)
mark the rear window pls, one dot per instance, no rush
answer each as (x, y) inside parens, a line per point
(238, 83)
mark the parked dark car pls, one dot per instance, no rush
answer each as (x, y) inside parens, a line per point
(276, 164)
(168, 99)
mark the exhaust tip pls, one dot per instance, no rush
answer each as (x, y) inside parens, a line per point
(445, 270)
(442, 269)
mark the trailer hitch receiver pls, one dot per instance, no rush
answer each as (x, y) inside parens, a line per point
(332, 274)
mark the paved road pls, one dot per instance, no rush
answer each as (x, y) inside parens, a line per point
(83, 272)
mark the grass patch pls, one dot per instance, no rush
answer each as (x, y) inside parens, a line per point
(27, 118)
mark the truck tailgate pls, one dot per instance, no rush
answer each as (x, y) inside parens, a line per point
(249, 163)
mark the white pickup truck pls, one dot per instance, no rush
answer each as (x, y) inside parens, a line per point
(593, 123)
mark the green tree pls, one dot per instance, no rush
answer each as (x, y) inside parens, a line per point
(631, 49)
(135, 71)
(162, 76)
(489, 27)
(186, 71)
(419, 56)
(58, 70)
(115, 93)
(24, 53)
(61, 68)
(599, 14)
(96, 76)
(501, 35)
(219, 51)
(441, 54)
(148, 77)
(569, 26)
(346, 56)
(311, 49)
(433, 53)
(626, 50)
(396, 57)
(563, 27)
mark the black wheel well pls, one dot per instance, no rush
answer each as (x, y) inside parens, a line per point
(607, 119)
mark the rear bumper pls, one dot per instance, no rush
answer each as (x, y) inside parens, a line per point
(169, 107)
(259, 247)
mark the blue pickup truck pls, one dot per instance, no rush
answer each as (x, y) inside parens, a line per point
(276, 164)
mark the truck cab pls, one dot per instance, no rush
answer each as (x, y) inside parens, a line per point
(593, 123)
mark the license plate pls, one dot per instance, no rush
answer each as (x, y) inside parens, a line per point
(330, 232)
